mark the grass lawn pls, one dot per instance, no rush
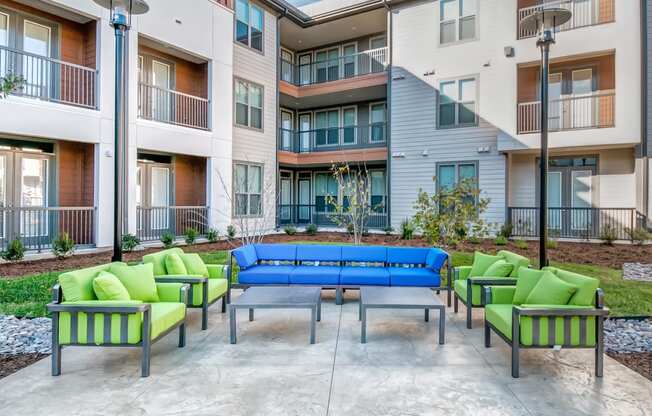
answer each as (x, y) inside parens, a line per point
(28, 295)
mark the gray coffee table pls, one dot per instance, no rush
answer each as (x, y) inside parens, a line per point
(277, 298)
(400, 298)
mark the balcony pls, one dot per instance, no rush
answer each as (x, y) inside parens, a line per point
(154, 222)
(585, 13)
(323, 216)
(50, 79)
(589, 111)
(173, 107)
(333, 139)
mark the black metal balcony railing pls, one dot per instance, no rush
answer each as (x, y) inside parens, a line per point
(153, 222)
(343, 67)
(50, 79)
(329, 139)
(36, 227)
(173, 107)
(323, 216)
(570, 113)
(585, 13)
(582, 223)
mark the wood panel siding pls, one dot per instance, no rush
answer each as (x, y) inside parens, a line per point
(347, 84)
(328, 158)
(190, 180)
(76, 167)
(189, 77)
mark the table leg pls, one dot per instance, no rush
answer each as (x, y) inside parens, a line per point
(313, 323)
(427, 315)
(319, 310)
(363, 327)
(251, 314)
(442, 325)
(232, 329)
(360, 310)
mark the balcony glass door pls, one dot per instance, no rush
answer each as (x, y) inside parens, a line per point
(583, 13)
(36, 71)
(305, 70)
(377, 60)
(4, 41)
(160, 197)
(327, 128)
(160, 93)
(582, 110)
(349, 116)
(285, 213)
(304, 200)
(287, 59)
(32, 193)
(555, 105)
(304, 132)
(554, 200)
(349, 67)
(327, 65)
(581, 197)
(378, 119)
(287, 125)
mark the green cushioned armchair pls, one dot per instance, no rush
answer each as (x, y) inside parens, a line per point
(468, 290)
(577, 324)
(205, 289)
(87, 321)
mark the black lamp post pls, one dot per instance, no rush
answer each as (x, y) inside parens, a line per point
(544, 22)
(121, 12)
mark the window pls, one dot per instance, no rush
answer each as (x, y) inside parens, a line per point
(248, 104)
(249, 24)
(248, 189)
(449, 174)
(378, 120)
(326, 190)
(378, 202)
(457, 21)
(457, 103)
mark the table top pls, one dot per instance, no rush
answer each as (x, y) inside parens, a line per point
(278, 296)
(399, 297)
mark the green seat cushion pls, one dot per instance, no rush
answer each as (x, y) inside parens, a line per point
(500, 316)
(516, 260)
(174, 264)
(461, 287)
(526, 281)
(194, 264)
(501, 268)
(139, 281)
(165, 315)
(158, 260)
(108, 287)
(551, 290)
(77, 285)
(586, 286)
(216, 288)
(481, 263)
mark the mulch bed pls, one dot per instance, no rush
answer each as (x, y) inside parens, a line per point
(9, 364)
(582, 253)
(640, 362)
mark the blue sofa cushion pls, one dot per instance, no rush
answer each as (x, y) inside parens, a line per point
(413, 276)
(265, 274)
(378, 276)
(311, 252)
(315, 275)
(436, 258)
(405, 255)
(364, 254)
(245, 256)
(276, 252)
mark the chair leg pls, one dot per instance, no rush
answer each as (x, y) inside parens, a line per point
(224, 303)
(455, 303)
(146, 358)
(56, 347)
(338, 296)
(515, 357)
(449, 297)
(487, 335)
(469, 315)
(204, 307)
(599, 348)
(182, 335)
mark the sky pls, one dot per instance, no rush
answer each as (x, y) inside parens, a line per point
(299, 3)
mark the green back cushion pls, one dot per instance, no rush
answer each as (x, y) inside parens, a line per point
(158, 260)
(174, 264)
(481, 263)
(78, 284)
(139, 281)
(499, 269)
(514, 259)
(108, 287)
(551, 290)
(194, 264)
(586, 287)
(527, 280)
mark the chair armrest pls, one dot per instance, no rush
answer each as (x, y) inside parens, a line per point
(462, 272)
(100, 306)
(180, 279)
(217, 271)
(559, 310)
(501, 295)
(172, 292)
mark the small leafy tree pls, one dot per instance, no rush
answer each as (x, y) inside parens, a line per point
(353, 210)
(407, 229)
(129, 242)
(638, 235)
(10, 83)
(212, 235)
(15, 251)
(230, 232)
(63, 246)
(191, 235)
(608, 234)
(452, 214)
(167, 239)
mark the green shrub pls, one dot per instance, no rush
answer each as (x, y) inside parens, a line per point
(407, 229)
(230, 232)
(191, 235)
(212, 235)
(551, 244)
(129, 242)
(521, 244)
(311, 229)
(501, 240)
(474, 240)
(350, 229)
(290, 230)
(63, 246)
(167, 239)
(638, 235)
(15, 250)
(506, 230)
(388, 230)
(608, 234)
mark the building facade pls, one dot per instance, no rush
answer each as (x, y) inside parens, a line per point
(238, 110)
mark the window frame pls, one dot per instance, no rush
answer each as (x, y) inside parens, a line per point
(249, 106)
(457, 164)
(250, 6)
(456, 20)
(457, 102)
(234, 204)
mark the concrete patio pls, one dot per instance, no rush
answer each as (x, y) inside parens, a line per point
(274, 371)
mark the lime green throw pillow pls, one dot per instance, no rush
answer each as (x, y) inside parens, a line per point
(499, 269)
(174, 264)
(526, 281)
(108, 287)
(194, 264)
(481, 263)
(551, 290)
(139, 281)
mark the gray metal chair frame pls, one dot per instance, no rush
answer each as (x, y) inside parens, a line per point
(600, 313)
(508, 281)
(107, 311)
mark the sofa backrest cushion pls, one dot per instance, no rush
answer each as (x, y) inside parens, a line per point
(245, 256)
(407, 255)
(586, 286)
(276, 252)
(551, 290)
(174, 264)
(194, 264)
(514, 259)
(481, 263)
(526, 281)
(108, 287)
(372, 254)
(311, 252)
(436, 258)
(77, 285)
(158, 260)
(138, 279)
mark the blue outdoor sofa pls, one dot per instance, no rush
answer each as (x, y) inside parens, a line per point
(341, 267)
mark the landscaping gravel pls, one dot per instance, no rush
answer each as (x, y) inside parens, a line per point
(25, 336)
(628, 335)
(637, 271)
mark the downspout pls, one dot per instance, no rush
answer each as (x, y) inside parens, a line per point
(278, 113)
(388, 175)
(645, 140)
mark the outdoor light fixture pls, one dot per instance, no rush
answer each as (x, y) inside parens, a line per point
(544, 22)
(121, 12)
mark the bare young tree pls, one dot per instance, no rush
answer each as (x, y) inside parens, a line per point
(353, 210)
